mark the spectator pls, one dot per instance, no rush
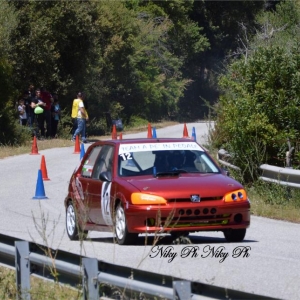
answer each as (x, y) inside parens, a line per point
(75, 112)
(46, 98)
(40, 118)
(28, 108)
(22, 112)
(81, 117)
(31, 91)
(55, 115)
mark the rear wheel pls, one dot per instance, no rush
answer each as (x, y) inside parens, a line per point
(234, 235)
(73, 230)
(122, 234)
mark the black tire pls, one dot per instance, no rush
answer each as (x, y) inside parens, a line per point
(122, 235)
(73, 230)
(234, 235)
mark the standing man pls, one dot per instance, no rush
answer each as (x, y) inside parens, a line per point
(46, 97)
(40, 118)
(28, 108)
(80, 114)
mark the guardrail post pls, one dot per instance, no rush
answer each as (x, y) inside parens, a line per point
(22, 265)
(90, 278)
(182, 290)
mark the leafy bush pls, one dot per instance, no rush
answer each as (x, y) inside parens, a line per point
(97, 127)
(137, 122)
(259, 108)
(276, 194)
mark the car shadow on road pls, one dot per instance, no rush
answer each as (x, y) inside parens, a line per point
(143, 240)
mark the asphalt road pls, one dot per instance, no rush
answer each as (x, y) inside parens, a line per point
(269, 264)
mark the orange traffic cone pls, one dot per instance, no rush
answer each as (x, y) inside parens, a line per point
(114, 133)
(120, 136)
(44, 168)
(77, 146)
(149, 135)
(34, 148)
(185, 132)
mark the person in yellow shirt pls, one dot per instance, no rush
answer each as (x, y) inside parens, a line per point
(79, 116)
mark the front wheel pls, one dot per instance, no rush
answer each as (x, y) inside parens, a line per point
(122, 234)
(73, 230)
(234, 235)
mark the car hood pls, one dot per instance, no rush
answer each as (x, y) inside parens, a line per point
(207, 185)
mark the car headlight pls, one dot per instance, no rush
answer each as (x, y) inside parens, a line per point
(236, 196)
(140, 198)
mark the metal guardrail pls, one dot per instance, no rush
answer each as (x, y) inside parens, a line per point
(30, 259)
(283, 176)
(223, 155)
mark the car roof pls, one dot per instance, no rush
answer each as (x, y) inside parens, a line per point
(148, 140)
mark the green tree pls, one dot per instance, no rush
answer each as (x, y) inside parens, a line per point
(52, 43)
(11, 132)
(259, 106)
(223, 24)
(137, 68)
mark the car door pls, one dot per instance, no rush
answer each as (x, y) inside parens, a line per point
(99, 191)
(83, 181)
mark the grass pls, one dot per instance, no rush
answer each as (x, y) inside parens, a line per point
(275, 202)
(40, 289)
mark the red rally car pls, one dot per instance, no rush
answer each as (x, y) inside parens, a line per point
(154, 186)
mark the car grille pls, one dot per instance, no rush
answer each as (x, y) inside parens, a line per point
(216, 198)
(192, 221)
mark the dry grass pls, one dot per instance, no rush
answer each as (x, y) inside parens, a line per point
(40, 289)
(287, 210)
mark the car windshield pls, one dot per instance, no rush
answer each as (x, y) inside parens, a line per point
(164, 162)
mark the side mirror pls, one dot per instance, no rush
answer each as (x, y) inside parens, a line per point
(225, 172)
(105, 176)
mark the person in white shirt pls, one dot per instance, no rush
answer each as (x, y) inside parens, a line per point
(22, 112)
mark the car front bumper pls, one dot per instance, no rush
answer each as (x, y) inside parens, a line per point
(188, 217)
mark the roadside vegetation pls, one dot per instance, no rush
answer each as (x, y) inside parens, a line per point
(163, 60)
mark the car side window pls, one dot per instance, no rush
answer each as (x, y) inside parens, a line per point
(104, 161)
(89, 163)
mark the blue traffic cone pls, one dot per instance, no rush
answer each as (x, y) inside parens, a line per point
(82, 151)
(194, 134)
(154, 133)
(40, 191)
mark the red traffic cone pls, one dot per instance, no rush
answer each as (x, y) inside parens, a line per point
(34, 148)
(120, 136)
(149, 135)
(185, 132)
(114, 132)
(77, 146)
(44, 168)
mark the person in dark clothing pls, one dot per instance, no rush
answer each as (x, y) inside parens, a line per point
(46, 98)
(28, 108)
(40, 118)
(55, 110)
